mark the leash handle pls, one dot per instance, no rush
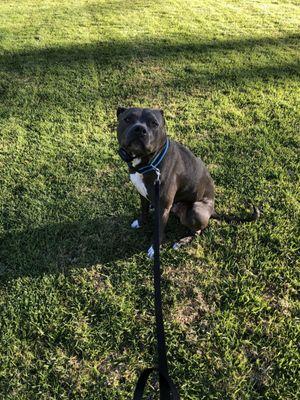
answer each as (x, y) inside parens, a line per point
(142, 381)
(166, 386)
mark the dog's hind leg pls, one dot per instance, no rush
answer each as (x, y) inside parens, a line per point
(183, 242)
(195, 217)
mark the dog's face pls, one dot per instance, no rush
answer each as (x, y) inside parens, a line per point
(141, 131)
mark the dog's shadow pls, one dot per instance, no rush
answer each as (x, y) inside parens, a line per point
(59, 248)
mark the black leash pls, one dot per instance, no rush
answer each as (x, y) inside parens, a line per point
(167, 388)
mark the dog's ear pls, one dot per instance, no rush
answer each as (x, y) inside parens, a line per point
(162, 115)
(120, 110)
(159, 111)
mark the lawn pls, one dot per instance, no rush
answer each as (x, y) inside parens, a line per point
(76, 297)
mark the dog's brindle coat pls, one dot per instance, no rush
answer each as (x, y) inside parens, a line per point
(184, 177)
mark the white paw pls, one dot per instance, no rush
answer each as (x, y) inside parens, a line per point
(176, 246)
(150, 252)
(135, 224)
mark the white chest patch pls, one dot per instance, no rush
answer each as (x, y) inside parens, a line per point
(137, 180)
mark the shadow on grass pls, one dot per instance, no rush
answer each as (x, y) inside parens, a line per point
(108, 52)
(58, 248)
(118, 54)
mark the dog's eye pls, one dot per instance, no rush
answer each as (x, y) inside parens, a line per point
(127, 120)
(154, 123)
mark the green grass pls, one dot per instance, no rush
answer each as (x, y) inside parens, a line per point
(76, 305)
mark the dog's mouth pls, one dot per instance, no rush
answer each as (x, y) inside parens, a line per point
(137, 147)
(127, 157)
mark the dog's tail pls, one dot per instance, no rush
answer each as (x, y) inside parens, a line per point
(231, 219)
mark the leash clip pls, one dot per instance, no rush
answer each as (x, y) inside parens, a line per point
(157, 171)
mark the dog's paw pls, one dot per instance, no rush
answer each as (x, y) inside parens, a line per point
(150, 252)
(135, 224)
(183, 242)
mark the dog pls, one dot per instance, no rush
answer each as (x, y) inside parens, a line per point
(186, 186)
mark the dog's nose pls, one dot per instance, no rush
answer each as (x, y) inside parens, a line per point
(136, 132)
(140, 129)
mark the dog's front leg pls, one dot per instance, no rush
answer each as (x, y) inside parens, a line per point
(165, 208)
(144, 216)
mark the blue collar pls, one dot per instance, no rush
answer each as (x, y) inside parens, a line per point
(156, 160)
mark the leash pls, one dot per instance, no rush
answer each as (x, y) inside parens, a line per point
(167, 388)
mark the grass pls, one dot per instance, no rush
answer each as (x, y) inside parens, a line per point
(76, 305)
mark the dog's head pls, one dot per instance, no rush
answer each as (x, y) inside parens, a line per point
(141, 131)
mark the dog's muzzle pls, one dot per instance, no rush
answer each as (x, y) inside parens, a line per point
(125, 155)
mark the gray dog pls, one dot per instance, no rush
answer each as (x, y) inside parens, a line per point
(186, 188)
